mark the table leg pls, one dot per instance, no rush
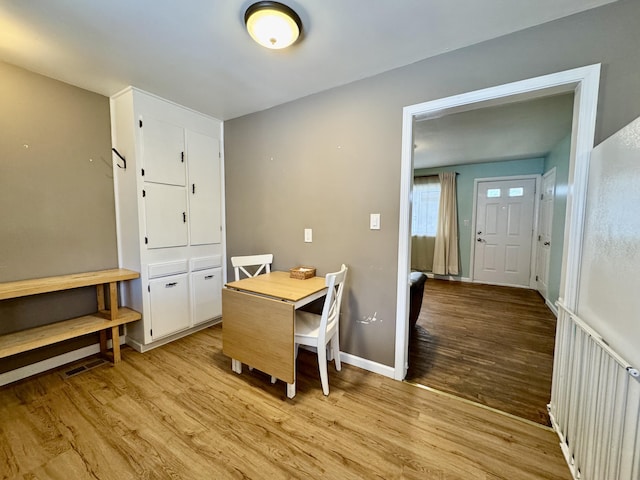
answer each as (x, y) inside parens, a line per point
(291, 390)
(236, 366)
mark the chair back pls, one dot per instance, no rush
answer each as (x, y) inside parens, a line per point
(261, 262)
(331, 310)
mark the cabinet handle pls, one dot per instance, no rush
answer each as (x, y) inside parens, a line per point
(208, 277)
(193, 188)
(184, 217)
(170, 285)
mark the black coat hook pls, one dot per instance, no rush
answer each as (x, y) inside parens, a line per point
(124, 160)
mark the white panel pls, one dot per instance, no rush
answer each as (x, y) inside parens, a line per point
(514, 219)
(489, 258)
(207, 294)
(169, 300)
(491, 219)
(608, 298)
(167, 268)
(511, 254)
(165, 211)
(204, 188)
(202, 263)
(163, 152)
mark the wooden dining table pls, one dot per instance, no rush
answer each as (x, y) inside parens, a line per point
(258, 322)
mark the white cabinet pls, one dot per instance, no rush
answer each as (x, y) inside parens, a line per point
(169, 299)
(165, 208)
(204, 176)
(169, 204)
(206, 286)
(162, 151)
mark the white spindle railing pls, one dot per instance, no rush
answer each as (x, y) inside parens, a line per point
(595, 404)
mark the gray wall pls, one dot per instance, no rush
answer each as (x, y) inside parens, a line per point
(57, 212)
(329, 160)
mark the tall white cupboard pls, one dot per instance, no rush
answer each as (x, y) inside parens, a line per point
(169, 215)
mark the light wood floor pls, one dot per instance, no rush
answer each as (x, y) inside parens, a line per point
(491, 345)
(179, 412)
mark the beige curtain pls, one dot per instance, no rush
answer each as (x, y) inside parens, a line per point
(445, 255)
(422, 253)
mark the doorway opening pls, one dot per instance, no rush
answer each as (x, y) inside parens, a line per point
(583, 83)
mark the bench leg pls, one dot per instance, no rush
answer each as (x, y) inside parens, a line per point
(103, 342)
(115, 340)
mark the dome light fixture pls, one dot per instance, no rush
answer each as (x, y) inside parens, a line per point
(272, 24)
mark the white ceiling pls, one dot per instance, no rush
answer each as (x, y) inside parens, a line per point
(528, 129)
(197, 52)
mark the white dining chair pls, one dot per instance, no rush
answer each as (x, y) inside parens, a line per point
(257, 264)
(262, 264)
(320, 331)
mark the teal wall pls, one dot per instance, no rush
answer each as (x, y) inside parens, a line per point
(465, 183)
(558, 158)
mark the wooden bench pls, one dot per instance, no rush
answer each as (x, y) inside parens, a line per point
(101, 321)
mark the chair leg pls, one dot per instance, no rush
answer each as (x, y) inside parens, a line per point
(322, 366)
(335, 348)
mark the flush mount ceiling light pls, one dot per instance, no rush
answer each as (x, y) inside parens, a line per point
(272, 24)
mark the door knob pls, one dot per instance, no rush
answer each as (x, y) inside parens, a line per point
(547, 244)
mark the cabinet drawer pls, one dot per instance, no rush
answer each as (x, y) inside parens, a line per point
(207, 294)
(204, 263)
(169, 301)
(167, 268)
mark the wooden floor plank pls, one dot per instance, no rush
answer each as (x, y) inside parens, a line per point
(178, 411)
(488, 344)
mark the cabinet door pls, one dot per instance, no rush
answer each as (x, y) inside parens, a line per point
(203, 156)
(166, 215)
(169, 300)
(206, 294)
(163, 152)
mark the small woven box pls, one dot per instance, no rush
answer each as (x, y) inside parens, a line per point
(302, 273)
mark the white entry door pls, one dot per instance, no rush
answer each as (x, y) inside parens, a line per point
(547, 199)
(504, 231)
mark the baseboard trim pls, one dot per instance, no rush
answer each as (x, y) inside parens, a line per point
(51, 363)
(454, 278)
(365, 364)
(552, 307)
(141, 347)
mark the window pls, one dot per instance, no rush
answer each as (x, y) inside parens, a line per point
(516, 192)
(426, 201)
(493, 193)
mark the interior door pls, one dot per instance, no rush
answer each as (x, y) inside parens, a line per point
(547, 199)
(504, 230)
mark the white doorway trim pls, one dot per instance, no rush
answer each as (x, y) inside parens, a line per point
(584, 82)
(536, 212)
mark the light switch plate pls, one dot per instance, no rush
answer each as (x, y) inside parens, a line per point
(308, 235)
(374, 221)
